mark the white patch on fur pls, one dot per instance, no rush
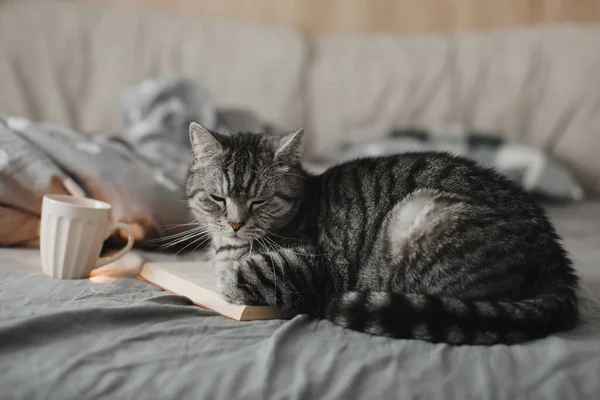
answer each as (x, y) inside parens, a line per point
(232, 255)
(219, 241)
(455, 335)
(405, 215)
(420, 214)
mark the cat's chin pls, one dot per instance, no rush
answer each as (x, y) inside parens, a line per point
(232, 239)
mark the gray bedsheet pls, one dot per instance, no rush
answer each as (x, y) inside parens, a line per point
(122, 338)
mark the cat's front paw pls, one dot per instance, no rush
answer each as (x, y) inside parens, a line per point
(230, 287)
(227, 282)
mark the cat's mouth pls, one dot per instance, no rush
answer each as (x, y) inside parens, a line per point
(247, 234)
(237, 236)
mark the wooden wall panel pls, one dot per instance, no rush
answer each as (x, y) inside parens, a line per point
(367, 16)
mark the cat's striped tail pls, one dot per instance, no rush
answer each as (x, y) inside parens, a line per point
(454, 321)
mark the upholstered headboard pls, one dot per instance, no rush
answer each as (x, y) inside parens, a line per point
(398, 16)
(68, 62)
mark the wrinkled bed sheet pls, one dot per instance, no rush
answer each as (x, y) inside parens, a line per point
(123, 338)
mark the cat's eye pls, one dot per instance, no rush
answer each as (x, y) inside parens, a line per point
(256, 203)
(217, 198)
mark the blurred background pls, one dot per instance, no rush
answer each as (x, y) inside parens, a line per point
(370, 16)
(96, 97)
(512, 84)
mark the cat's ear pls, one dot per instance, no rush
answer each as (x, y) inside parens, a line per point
(204, 142)
(288, 147)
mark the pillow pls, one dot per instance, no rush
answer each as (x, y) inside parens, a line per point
(156, 117)
(529, 167)
(26, 174)
(46, 158)
(537, 85)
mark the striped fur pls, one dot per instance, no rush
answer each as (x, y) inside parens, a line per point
(420, 246)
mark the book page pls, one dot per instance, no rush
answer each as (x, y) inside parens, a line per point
(197, 280)
(201, 273)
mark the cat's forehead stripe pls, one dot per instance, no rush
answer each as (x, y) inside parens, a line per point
(226, 181)
(250, 183)
(242, 172)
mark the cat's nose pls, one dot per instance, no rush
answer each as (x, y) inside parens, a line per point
(236, 225)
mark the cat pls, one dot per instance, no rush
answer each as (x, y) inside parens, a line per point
(423, 246)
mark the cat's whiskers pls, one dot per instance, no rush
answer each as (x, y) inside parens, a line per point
(182, 236)
(195, 234)
(203, 238)
(168, 246)
(176, 235)
(281, 254)
(173, 226)
(189, 232)
(201, 243)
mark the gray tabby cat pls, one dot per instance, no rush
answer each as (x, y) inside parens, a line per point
(420, 246)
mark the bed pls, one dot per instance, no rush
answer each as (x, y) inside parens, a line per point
(117, 337)
(123, 338)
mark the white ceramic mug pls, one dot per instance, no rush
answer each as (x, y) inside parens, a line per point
(72, 232)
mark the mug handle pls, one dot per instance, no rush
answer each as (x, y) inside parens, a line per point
(107, 260)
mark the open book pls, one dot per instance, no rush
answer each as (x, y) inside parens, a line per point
(197, 281)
